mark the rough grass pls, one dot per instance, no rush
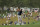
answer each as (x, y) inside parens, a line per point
(37, 23)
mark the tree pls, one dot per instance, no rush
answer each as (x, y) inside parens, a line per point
(20, 3)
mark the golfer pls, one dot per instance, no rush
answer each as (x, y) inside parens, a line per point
(19, 15)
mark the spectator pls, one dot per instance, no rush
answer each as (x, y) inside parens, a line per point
(11, 22)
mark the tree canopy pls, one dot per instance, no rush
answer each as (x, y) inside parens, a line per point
(20, 3)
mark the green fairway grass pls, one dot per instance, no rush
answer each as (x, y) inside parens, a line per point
(27, 25)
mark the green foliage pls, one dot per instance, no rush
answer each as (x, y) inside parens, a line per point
(20, 3)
